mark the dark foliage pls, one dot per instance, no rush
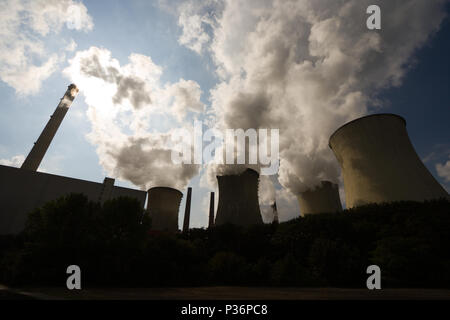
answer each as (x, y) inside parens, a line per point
(113, 246)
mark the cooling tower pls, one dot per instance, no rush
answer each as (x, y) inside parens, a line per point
(323, 198)
(40, 147)
(238, 199)
(163, 205)
(379, 163)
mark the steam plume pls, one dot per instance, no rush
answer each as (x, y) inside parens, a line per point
(122, 101)
(307, 67)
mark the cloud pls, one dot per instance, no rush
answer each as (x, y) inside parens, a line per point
(443, 170)
(186, 97)
(193, 36)
(439, 151)
(307, 67)
(266, 191)
(25, 62)
(15, 161)
(71, 46)
(195, 19)
(287, 205)
(122, 101)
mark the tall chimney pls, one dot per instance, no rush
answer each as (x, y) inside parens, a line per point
(211, 211)
(40, 147)
(187, 211)
(275, 212)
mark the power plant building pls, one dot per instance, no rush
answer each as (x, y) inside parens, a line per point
(323, 198)
(163, 204)
(238, 199)
(21, 191)
(379, 163)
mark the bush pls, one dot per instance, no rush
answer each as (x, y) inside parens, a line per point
(410, 241)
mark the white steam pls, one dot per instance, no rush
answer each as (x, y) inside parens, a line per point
(308, 66)
(122, 102)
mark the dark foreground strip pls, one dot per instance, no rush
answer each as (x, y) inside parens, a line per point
(245, 309)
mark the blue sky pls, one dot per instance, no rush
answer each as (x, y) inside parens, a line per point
(152, 29)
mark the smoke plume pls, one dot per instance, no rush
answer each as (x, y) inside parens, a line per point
(307, 67)
(122, 102)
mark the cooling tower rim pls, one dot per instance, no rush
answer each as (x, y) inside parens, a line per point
(327, 182)
(252, 171)
(322, 184)
(362, 118)
(165, 188)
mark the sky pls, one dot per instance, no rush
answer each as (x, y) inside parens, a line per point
(148, 68)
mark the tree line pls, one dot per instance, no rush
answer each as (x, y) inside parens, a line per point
(114, 246)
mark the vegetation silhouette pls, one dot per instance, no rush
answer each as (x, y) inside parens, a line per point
(113, 245)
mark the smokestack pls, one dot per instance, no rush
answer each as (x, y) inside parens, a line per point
(379, 163)
(187, 211)
(163, 205)
(275, 212)
(238, 199)
(324, 198)
(211, 211)
(40, 147)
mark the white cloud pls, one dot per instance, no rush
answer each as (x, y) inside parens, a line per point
(443, 170)
(15, 161)
(122, 100)
(186, 97)
(53, 162)
(287, 205)
(71, 46)
(266, 191)
(24, 60)
(193, 36)
(196, 19)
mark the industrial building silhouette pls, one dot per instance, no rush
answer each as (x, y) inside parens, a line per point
(163, 206)
(238, 199)
(323, 198)
(21, 191)
(378, 162)
(24, 189)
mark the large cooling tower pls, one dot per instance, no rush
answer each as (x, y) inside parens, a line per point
(238, 199)
(163, 204)
(379, 163)
(40, 147)
(323, 198)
